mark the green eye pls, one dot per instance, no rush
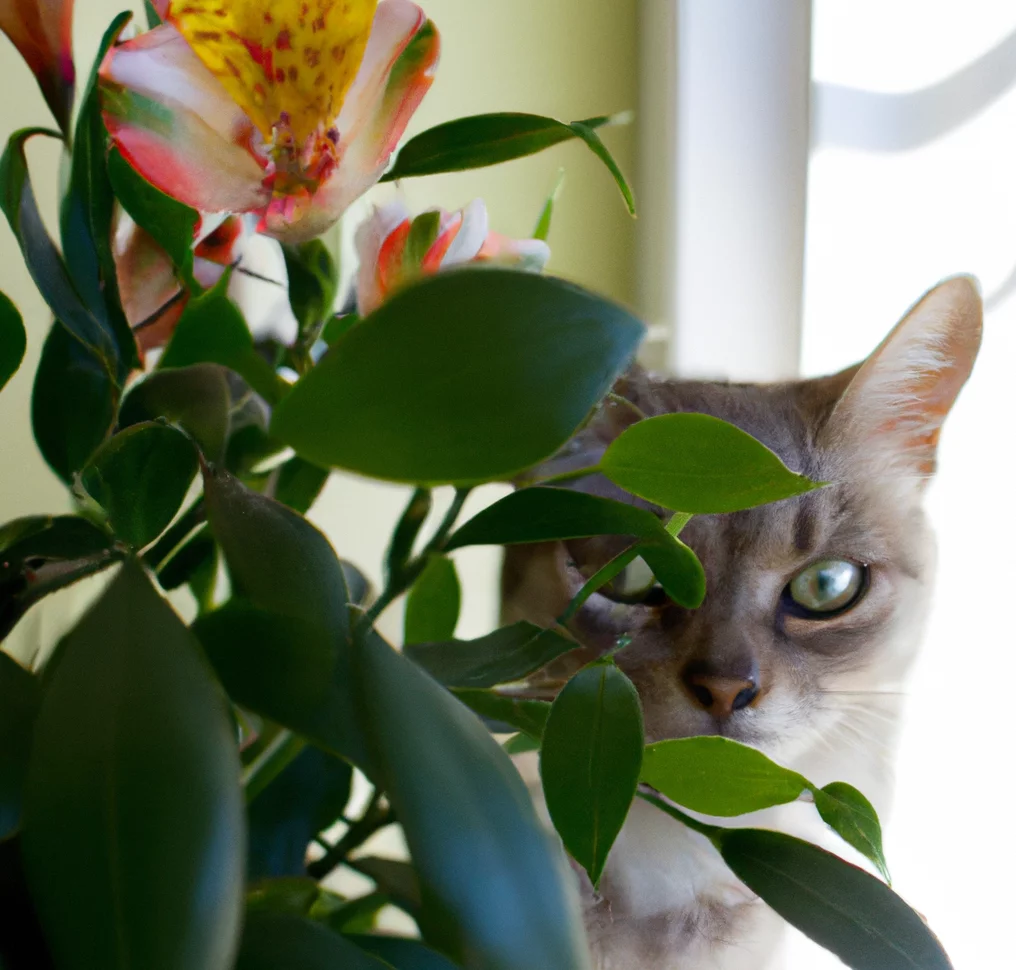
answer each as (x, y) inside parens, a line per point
(828, 586)
(634, 584)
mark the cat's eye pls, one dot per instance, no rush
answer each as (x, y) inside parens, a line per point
(828, 587)
(635, 584)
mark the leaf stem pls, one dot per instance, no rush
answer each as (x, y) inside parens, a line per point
(620, 399)
(600, 578)
(157, 556)
(375, 817)
(711, 832)
(570, 476)
(268, 765)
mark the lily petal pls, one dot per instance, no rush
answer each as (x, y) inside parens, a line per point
(471, 236)
(177, 126)
(368, 241)
(530, 255)
(41, 31)
(397, 71)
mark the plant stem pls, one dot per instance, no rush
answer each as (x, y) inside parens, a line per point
(156, 557)
(571, 476)
(268, 765)
(624, 402)
(375, 817)
(711, 832)
(600, 578)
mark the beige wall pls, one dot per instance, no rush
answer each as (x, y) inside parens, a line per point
(567, 58)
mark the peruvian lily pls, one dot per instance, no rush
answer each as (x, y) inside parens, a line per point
(289, 109)
(154, 299)
(41, 31)
(395, 250)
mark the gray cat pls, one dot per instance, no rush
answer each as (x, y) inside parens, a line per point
(813, 615)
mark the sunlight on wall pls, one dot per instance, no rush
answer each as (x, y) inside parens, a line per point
(885, 221)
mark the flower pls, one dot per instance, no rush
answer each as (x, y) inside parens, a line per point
(154, 299)
(394, 250)
(41, 31)
(289, 109)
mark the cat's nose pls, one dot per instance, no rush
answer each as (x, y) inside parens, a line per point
(721, 692)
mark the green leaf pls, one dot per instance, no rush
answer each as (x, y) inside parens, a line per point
(19, 703)
(338, 326)
(299, 483)
(489, 139)
(839, 906)
(74, 402)
(41, 554)
(699, 464)
(293, 895)
(520, 743)
(151, 16)
(542, 230)
(196, 398)
(403, 954)
(212, 330)
(545, 514)
(589, 762)
(45, 264)
(12, 340)
(146, 870)
(464, 809)
(306, 797)
(169, 222)
(432, 607)
(506, 655)
(272, 941)
(22, 944)
(313, 283)
(281, 648)
(468, 356)
(854, 818)
(86, 213)
(356, 916)
(717, 776)
(521, 713)
(141, 477)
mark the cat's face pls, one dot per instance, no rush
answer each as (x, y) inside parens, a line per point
(807, 599)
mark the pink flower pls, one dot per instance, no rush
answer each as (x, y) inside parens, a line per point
(395, 250)
(41, 31)
(289, 109)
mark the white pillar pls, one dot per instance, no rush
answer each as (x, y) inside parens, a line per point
(743, 81)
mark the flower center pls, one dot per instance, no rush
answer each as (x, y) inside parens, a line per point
(287, 63)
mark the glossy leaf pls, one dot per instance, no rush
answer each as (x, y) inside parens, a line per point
(196, 398)
(42, 554)
(12, 340)
(141, 477)
(432, 607)
(467, 356)
(717, 776)
(44, 262)
(854, 818)
(299, 483)
(840, 906)
(506, 655)
(295, 895)
(74, 402)
(306, 797)
(281, 648)
(589, 762)
(355, 916)
(22, 943)
(521, 713)
(20, 695)
(403, 954)
(463, 809)
(482, 140)
(212, 331)
(313, 283)
(146, 870)
(272, 941)
(86, 213)
(541, 514)
(698, 464)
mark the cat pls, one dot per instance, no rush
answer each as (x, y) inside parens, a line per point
(813, 615)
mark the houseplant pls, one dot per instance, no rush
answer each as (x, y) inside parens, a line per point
(160, 782)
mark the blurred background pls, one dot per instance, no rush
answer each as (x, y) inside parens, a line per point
(804, 171)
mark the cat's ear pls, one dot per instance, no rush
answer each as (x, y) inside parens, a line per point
(898, 398)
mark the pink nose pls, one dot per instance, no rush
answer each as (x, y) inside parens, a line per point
(721, 696)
